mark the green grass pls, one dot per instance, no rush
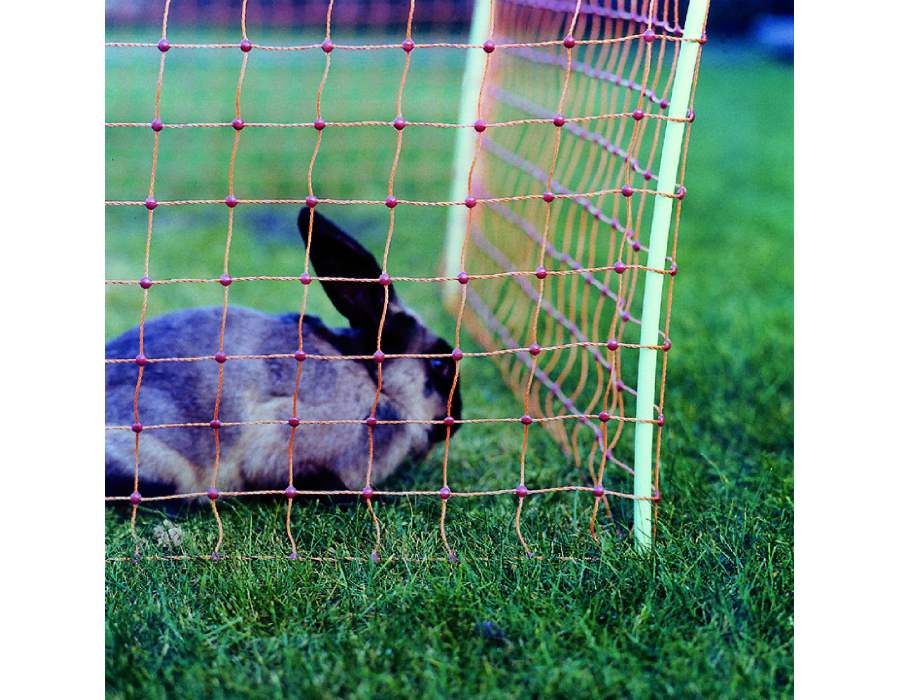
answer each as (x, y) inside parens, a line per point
(710, 614)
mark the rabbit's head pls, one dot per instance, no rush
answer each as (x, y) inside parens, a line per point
(417, 388)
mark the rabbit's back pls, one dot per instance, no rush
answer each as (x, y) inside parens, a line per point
(254, 391)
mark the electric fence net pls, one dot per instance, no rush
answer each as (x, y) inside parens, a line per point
(563, 209)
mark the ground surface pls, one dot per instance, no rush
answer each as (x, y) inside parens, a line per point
(709, 615)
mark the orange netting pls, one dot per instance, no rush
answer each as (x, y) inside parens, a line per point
(571, 109)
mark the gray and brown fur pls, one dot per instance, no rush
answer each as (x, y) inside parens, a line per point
(180, 460)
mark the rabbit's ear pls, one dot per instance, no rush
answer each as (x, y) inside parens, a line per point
(335, 254)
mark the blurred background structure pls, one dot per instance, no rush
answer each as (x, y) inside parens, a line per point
(765, 21)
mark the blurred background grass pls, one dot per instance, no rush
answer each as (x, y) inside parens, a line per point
(712, 615)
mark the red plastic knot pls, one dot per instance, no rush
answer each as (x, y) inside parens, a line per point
(488, 46)
(212, 493)
(637, 115)
(237, 123)
(598, 491)
(215, 424)
(690, 116)
(619, 267)
(231, 201)
(367, 494)
(319, 124)
(521, 490)
(534, 349)
(678, 30)
(150, 203)
(293, 421)
(327, 46)
(140, 359)
(559, 120)
(384, 279)
(702, 40)
(225, 280)
(649, 35)
(156, 125)
(526, 420)
(569, 41)
(290, 492)
(656, 495)
(470, 201)
(399, 123)
(636, 245)
(390, 202)
(667, 345)
(137, 427)
(371, 421)
(549, 197)
(246, 45)
(163, 45)
(463, 277)
(648, 174)
(145, 282)
(540, 273)
(445, 493)
(305, 278)
(378, 356)
(136, 498)
(664, 103)
(457, 354)
(612, 344)
(680, 192)
(626, 317)
(311, 200)
(449, 421)
(604, 417)
(220, 357)
(300, 356)
(408, 45)
(620, 385)
(627, 190)
(661, 420)
(480, 125)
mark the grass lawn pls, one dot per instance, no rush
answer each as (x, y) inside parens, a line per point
(709, 614)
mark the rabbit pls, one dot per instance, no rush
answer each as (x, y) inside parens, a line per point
(255, 457)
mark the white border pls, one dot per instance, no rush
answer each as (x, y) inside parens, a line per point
(51, 377)
(847, 313)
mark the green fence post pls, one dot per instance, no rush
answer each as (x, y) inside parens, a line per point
(653, 284)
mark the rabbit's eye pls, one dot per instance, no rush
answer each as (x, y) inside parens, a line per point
(440, 364)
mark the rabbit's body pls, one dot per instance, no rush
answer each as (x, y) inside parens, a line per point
(255, 457)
